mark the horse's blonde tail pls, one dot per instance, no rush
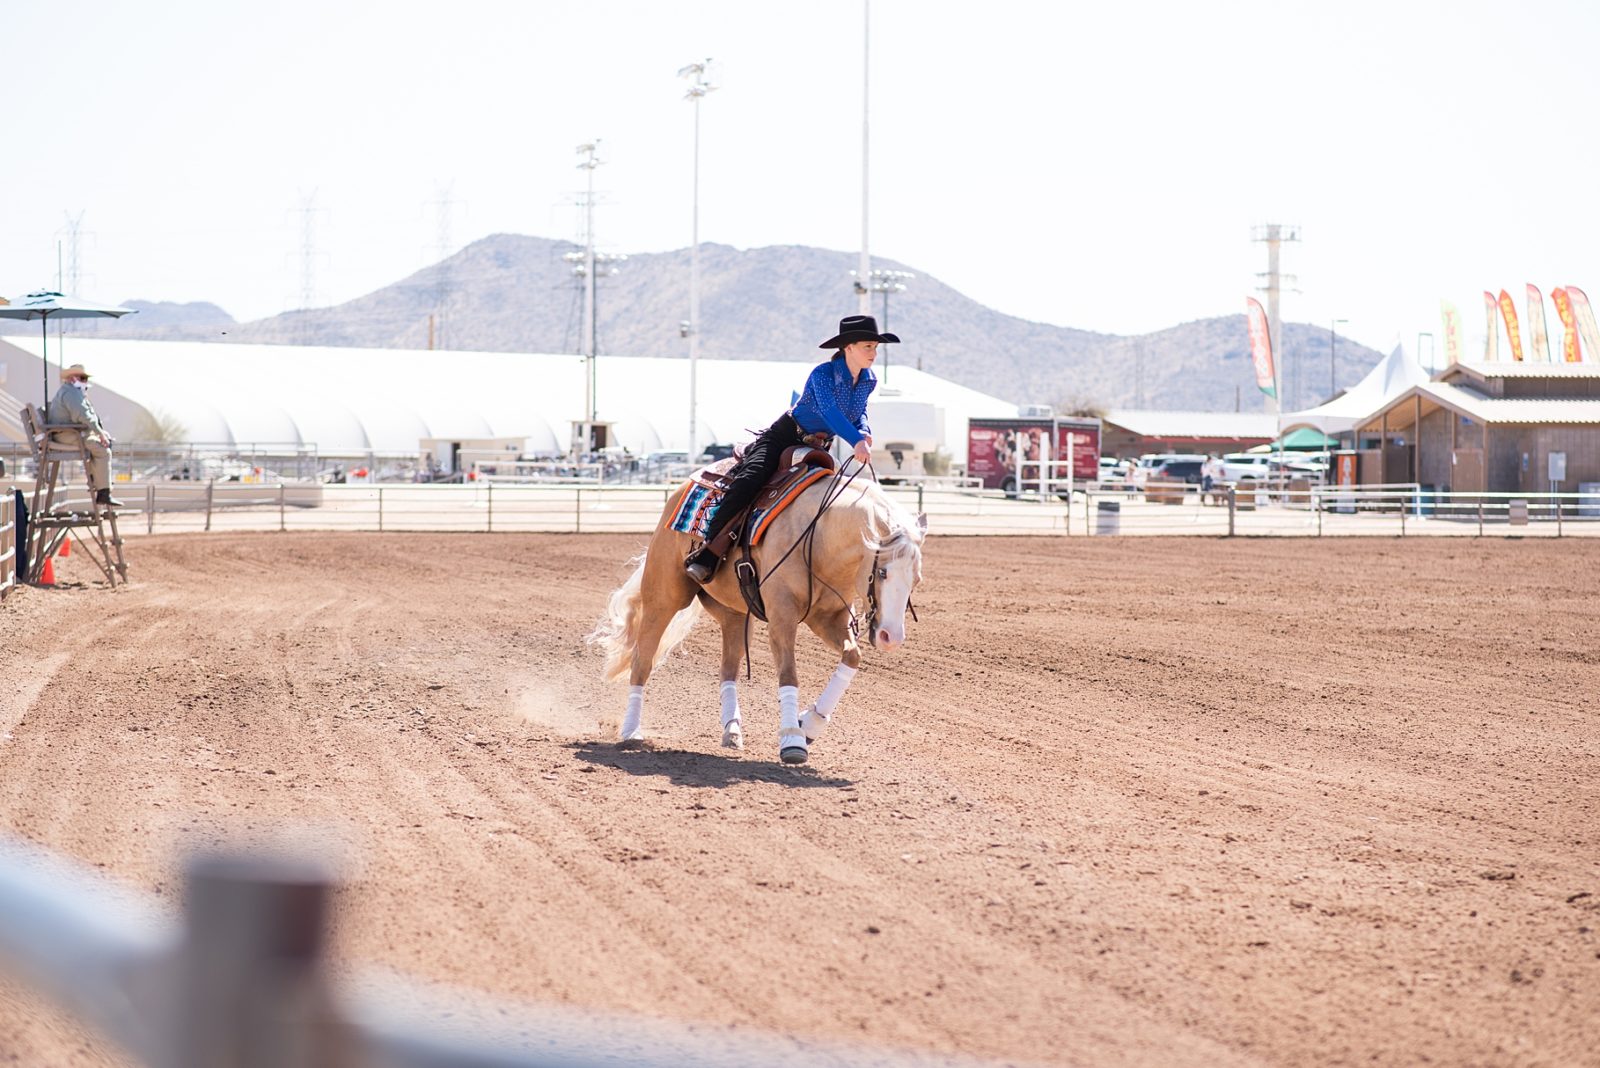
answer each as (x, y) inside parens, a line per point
(617, 633)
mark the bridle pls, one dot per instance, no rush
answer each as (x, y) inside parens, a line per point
(873, 577)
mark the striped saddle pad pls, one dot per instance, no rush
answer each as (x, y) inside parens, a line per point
(700, 496)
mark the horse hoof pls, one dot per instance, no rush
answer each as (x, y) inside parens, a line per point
(732, 736)
(793, 754)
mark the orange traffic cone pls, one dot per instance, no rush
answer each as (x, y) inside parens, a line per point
(48, 577)
(66, 548)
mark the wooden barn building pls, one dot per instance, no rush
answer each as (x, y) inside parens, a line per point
(1488, 428)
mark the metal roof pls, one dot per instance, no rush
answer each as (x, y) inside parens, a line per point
(1511, 409)
(347, 400)
(1217, 425)
(1526, 369)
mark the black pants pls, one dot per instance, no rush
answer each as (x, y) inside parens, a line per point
(759, 461)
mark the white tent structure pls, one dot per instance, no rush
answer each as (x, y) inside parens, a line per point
(351, 402)
(1393, 375)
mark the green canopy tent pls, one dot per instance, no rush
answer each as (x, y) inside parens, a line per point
(1306, 439)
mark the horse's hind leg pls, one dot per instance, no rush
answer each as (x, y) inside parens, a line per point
(833, 628)
(666, 591)
(733, 631)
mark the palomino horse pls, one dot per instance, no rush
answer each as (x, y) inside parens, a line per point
(816, 563)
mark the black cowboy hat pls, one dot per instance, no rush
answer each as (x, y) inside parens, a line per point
(857, 328)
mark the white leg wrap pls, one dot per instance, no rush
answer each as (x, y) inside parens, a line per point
(732, 727)
(788, 707)
(631, 728)
(817, 717)
(790, 735)
(828, 699)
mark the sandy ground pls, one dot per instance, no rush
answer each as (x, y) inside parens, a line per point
(1117, 802)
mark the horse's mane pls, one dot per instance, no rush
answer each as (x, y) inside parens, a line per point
(891, 521)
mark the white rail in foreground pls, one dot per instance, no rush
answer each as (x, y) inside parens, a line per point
(241, 982)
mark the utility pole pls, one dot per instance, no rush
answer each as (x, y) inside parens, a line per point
(1274, 235)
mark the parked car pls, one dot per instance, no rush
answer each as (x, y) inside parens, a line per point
(1237, 466)
(1185, 470)
(1144, 468)
(1115, 473)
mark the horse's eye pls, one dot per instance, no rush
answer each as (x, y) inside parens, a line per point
(883, 572)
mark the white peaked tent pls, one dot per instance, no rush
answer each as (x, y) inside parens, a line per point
(347, 401)
(1393, 375)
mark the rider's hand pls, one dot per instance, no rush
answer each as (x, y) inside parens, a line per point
(863, 452)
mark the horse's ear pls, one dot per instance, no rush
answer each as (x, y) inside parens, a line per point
(922, 522)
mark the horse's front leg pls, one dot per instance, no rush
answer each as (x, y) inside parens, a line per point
(833, 628)
(733, 630)
(791, 739)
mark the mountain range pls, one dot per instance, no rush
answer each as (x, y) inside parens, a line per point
(516, 293)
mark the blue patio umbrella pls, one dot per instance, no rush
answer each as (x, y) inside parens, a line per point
(46, 305)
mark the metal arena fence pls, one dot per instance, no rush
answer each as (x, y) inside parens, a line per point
(241, 979)
(1296, 510)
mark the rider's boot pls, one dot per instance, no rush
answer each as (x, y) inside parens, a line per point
(701, 565)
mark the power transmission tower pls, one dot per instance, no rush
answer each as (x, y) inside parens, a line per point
(309, 254)
(1274, 235)
(589, 266)
(69, 276)
(443, 277)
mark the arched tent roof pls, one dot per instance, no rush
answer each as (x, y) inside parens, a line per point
(1393, 375)
(351, 401)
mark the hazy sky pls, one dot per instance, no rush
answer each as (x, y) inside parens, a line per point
(1091, 165)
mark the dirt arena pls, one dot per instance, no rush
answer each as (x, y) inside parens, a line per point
(1117, 802)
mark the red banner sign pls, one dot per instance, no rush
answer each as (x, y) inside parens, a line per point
(1508, 312)
(1261, 348)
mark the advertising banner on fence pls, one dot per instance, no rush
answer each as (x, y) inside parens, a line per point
(1261, 348)
(1538, 339)
(1584, 313)
(1508, 312)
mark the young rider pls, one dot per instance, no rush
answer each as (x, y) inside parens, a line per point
(834, 403)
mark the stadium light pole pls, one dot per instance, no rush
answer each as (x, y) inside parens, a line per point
(864, 268)
(1333, 346)
(700, 86)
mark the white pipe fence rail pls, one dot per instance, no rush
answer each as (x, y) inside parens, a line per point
(1297, 509)
(240, 981)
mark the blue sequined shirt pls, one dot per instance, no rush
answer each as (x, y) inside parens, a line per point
(832, 403)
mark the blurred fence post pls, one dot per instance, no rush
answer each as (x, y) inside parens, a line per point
(490, 510)
(210, 490)
(380, 509)
(150, 508)
(283, 519)
(577, 510)
(1233, 500)
(251, 984)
